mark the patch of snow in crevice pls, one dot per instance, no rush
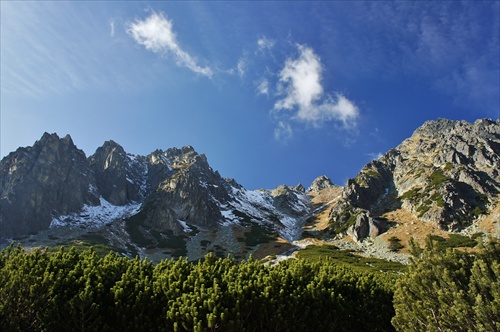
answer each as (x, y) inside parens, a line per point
(139, 164)
(93, 189)
(278, 259)
(229, 218)
(96, 215)
(292, 228)
(185, 226)
(303, 203)
(258, 205)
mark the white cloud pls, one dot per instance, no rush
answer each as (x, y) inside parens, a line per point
(64, 50)
(283, 131)
(241, 67)
(375, 156)
(265, 43)
(300, 83)
(156, 34)
(112, 27)
(263, 87)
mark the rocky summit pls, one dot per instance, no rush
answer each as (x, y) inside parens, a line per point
(145, 201)
(446, 174)
(168, 203)
(50, 178)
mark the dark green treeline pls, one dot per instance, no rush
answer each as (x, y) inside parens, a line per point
(443, 290)
(71, 291)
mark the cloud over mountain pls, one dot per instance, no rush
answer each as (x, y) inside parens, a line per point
(156, 34)
(302, 93)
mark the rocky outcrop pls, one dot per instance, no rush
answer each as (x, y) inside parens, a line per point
(119, 177)
(446, 173)
(50, 178)
(190, 193)
(364, 226)
(290, 200)
(320, 183)
(172, 191)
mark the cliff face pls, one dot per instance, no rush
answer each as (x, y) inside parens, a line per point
(53, 183)
(36, 183)
(446, 173)
(189, 192)
(119, 177)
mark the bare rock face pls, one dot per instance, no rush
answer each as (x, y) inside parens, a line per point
(364, 226)
(289, 200)
(165, 191)
(320, 183)
(119, 177)
(37, 183)
(189, 194)
(446, 173)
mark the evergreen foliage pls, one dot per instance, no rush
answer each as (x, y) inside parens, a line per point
(80, 291)
(443, 290)
(450, 290)
(395, 243)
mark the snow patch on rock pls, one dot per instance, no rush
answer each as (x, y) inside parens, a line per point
(96, 215)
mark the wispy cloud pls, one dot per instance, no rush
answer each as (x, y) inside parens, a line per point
(454, 45)
(283, 132)
(263, 87)
(265, 44)
(62, 47)
(375, 155)
(241, 67)
(112, 27)
(156, 34)
(303, 93)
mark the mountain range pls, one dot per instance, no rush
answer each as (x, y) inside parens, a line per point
(172, 203)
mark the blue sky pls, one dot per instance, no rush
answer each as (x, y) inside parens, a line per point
(271, 92)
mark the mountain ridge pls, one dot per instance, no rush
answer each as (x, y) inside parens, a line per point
(446, 173)
(172, 193)
(171, 202)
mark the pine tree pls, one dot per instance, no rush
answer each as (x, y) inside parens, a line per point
(450, 290)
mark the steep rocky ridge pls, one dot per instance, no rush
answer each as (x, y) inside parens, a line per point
(140, 202)
(118, 176)
(446, 174)
(171, 203)
(188, 193)
(50, 178)
(320, 183)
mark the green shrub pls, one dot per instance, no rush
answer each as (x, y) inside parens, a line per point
(69, 291)
(448, 290)
(395, 244)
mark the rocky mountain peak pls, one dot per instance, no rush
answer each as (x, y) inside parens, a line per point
(39, 182)
(446, 173)
(51, 148)
(289, 199)
(109, 155)
(320, 183)
(300, 188)
(118, 176)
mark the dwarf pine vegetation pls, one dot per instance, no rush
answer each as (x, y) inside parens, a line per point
(70, 290)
